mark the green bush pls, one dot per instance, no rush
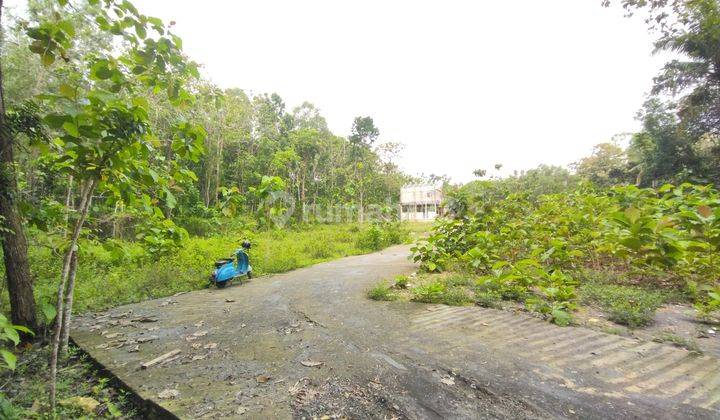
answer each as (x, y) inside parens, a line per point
(383, 234)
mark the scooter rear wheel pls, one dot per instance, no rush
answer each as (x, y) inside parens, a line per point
(221, 285)
(249, 275)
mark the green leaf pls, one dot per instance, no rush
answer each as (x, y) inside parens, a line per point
(71, 128)
(153, 174)
(140, 30)
(24, 329)
(632, 214)
(67, 91)
(67, 27)
(170, 200)
(48, 311)
(9, 358)
(101, 70)
(47, 58)
(55, 120)
(11, 334)
(632, 243)
(113, 410)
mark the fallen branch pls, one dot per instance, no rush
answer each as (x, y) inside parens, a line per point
(160, 359)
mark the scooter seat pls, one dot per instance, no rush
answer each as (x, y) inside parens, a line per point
(220, 263)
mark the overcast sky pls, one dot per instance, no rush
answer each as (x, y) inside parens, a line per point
(463, 84)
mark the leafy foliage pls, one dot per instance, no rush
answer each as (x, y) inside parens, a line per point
(533, 249)
(9, 334)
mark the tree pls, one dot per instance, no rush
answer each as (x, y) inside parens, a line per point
(606, 166)
(364, 132)
(14, 242)
(684, 146)
(100, 115)
(363, 135)
(479, 173)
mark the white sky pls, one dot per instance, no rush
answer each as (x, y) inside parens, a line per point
(463, 84)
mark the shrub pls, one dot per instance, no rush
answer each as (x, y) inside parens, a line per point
(372, 238)
(520, 241)
(383, 234)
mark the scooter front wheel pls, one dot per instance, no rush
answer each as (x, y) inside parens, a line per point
(221, 284)
(249, 275)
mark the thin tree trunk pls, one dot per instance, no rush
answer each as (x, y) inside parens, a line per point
(218, 168)
(67, 312)
(59, 320)
(115, 221)
(14, 242)
(68, 202)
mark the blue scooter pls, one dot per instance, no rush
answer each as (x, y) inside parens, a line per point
(228, 269)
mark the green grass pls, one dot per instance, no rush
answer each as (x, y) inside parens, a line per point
(424, 288)
(118, 272)
(381, 291)
(677, 341)
(626, 305)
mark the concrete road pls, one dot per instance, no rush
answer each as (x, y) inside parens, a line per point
(309, 344)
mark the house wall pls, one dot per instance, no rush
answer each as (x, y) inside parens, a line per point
(420, 202)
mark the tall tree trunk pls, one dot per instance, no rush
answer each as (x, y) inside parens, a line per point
(14, 242)
(63, 290)
(169, 155)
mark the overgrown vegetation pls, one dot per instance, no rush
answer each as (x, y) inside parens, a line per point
(82, 391)
(537, 249)
(120, 272)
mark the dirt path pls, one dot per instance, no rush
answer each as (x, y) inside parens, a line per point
(252, 350)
